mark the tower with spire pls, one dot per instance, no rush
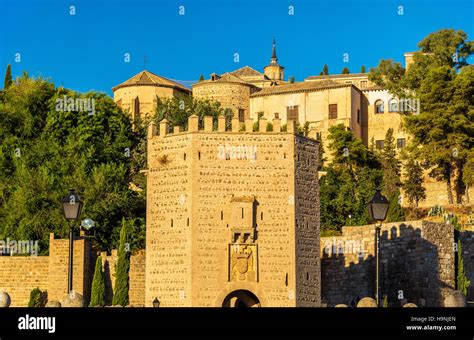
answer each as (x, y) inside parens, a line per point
(274, 71)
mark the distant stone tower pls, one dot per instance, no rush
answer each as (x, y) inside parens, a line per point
(274, 71)
(229, 90)
(232, 217)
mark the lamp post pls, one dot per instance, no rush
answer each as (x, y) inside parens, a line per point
(156, 303)
(378, 207)
(72, 208)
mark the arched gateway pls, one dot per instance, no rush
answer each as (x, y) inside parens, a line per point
(241, 299)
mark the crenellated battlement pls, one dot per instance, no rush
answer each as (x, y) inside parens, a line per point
(163, 128)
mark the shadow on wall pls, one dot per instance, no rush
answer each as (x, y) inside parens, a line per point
(410, 269)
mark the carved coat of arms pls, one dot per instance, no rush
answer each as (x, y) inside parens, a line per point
(243, 262)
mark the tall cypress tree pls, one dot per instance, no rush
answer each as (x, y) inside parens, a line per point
(325, 70)
(413, 184)
(390, 165)
(362, 69)
(345, 70)
(395, 211)
(8, 77)
(462, 281)
(121, 270)
(201, 78)
(98, 285)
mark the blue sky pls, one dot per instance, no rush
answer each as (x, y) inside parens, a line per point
(86, 51)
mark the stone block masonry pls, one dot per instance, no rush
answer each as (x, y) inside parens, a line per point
(232, 217)
(416, 263)
(20, 274)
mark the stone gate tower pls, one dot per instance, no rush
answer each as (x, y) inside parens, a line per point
(232, 216)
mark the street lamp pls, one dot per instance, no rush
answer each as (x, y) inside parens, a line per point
(72, 208)
(378, 207)
(156, 303)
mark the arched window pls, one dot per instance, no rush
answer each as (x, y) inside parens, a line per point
(379, 106)
(393, 105)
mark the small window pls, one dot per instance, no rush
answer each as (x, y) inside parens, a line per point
(292, 112)
(261, 215)
(358, 116)
(332, 111)
(379, 106)
(277, 115)
(393, 105)
(199, 155)
(171, 222)
(242, 213)
(187, 223)
(379, 144)
(184, 156)
(241, 115)
(401, 143)
(222, 215)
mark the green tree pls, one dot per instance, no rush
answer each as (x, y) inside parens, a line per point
(345, 70)
(8, 78)
(413, 184)
(325, 70)
(462, 283)
(201, 78)
(395, 211)
(176, 110)
(362, 69)
(122, 269)
(37, 298)
(98, 285)
(45, 150)
(385, 301)
(443, 81)
(390, 165)
(321, 158)
(354, 172)
(292, 79)
(468, 173)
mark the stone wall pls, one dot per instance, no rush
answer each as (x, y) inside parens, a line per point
(59, 263)
(231, 95)
(21, 274)
(416, 261)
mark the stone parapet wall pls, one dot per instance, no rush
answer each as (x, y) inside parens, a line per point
(416, 262)
(19, 275)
